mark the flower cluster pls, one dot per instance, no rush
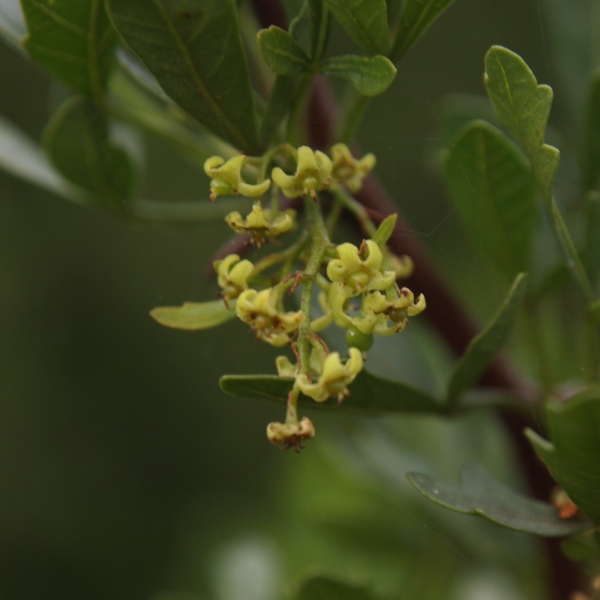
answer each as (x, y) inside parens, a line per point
(314, 171)
(358, 289)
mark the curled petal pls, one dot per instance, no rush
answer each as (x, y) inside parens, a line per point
(261, 311)
(226, 178)
(312, 174)
(334, 379)
(232, 276)
(349, 171)
(359, 274)
(260, 224)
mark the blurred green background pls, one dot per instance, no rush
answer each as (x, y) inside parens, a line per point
(127, 474)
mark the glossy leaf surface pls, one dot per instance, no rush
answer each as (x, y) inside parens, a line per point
(74, 40)
(324, 587)
(417, 16)
(368, 393)
(365, 21)
(370, 76)
(493, 189)
(572, 454)
(281, 52)
(479, 494)
(524, 107)
(193, 316)
(195, 53)
(484, 346)
(78, 144)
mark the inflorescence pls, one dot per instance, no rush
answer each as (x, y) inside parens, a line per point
(357, 285)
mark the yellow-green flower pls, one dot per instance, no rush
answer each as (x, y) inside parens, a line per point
(360, 273)
(379, 310)
(232, 277)
(259, 223)
(313, 173)
(403, 265)
(349, 171)
(261, 310)
(290, 435)
(226, 178)
(376, 310)
(335, 377)
(285, 368)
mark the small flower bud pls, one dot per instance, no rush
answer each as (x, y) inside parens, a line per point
(260, 225)
(291, 435)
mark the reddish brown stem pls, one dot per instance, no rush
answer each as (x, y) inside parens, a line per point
(445, 312)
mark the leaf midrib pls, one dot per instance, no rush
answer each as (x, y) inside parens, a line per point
(233, 130)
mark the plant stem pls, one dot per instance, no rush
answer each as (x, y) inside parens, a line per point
(320, 240)
(290, 253)
(291, 417)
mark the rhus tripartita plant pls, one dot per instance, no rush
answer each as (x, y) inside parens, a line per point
(319, 266)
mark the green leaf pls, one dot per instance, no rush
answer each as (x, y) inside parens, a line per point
(25, 159)
(493, 189)
(79, 146)
(572, 455)
(368, 393)
(591, 250)
(365, 21)
(370, 76)
(281, 52)
(193, 316)
(416, 18)
(479, 494)
(583, 546)
(524, 107)
(74, 40)
(195, 53)
(324, 587)
(394, 8)
(385, 230)
(484, 346)
(12, 25)
(591, 130)
(133, 102)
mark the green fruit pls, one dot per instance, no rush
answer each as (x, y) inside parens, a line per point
(355, 338)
